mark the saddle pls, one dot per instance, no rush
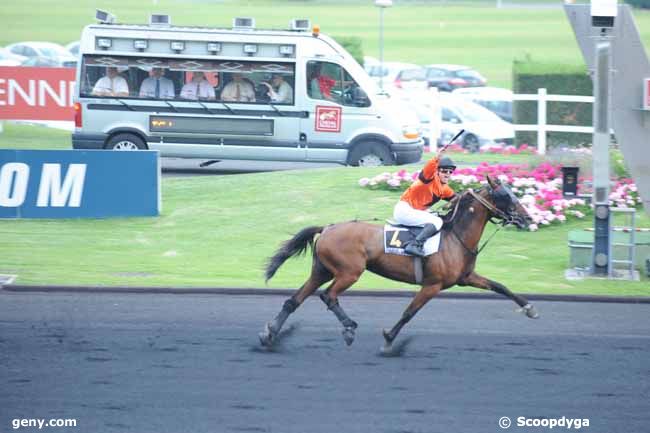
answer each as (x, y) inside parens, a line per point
(396, 236)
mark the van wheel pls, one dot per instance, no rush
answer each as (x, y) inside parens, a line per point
(370, 154)
(470, 142)
(125, 142)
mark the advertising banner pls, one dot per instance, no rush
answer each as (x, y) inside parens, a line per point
(31, 93)
(79, 184)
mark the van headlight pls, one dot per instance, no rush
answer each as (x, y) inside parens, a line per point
(411, 131)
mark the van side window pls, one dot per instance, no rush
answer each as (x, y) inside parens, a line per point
(330, 82)
(187, 79)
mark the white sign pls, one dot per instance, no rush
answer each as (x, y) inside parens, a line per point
(604, 8)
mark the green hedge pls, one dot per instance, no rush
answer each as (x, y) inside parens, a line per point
(353, 45)
(558, 79)
(643, 4)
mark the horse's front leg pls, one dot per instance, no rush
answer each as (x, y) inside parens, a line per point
(478, 281)
(421, 298)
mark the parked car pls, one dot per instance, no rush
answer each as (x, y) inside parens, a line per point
(44, 49)
(369, 62)
(47, 62)
(7, 58)
(495, 99)
(397, 77)
(450, 77)
(73, 48)
(482, 127)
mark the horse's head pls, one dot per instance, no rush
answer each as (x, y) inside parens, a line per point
(510, 210)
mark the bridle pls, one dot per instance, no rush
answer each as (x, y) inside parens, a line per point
(497, 217)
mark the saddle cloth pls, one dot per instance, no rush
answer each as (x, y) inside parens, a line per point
(397, 236)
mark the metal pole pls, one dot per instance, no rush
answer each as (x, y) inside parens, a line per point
(381, 48)
(601, 259)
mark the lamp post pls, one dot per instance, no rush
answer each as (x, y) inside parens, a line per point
(382, 4)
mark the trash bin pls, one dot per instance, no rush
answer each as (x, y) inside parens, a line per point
(570, 181)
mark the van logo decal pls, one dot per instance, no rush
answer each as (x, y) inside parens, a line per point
(328, 119)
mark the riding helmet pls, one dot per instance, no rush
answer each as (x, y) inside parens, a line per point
(446, 162)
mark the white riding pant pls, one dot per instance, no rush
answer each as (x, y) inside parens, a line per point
(405, 214)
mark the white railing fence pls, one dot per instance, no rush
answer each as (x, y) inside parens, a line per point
(542, 97)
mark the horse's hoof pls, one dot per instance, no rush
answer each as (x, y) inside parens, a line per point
(348, 335)
(386, 349)
(530, 311)
(387, 337)
(266, 336)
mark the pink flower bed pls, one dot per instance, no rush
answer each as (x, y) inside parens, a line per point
(523, 149)
(539, 190)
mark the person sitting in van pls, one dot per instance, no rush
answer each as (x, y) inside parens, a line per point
(112, 84)
(198, 88)
(238, 90)
(280, 92)
(320, 86)
(157, 86)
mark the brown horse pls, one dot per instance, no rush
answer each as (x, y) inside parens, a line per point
(344, 251)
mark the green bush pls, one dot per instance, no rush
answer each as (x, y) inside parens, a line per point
(643, 4)
(353, 45)
(618, 167)
(558, 79)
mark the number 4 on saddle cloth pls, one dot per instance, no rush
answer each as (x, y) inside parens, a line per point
(397, 236)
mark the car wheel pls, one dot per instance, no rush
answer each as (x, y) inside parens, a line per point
(370, 154)
(470, 142)
(125, 142)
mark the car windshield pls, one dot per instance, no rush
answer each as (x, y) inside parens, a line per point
(475, 113)
(468, 73)
(52, 51)
(413, 75)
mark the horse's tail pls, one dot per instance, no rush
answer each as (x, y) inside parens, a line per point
(294, 246)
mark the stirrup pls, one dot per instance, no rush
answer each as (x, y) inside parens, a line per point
(415, 250)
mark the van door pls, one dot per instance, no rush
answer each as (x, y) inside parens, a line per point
(337, 108)
(244, 122)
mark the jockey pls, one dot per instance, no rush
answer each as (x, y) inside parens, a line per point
(430, 187)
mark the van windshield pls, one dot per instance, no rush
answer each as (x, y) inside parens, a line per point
(187, 79)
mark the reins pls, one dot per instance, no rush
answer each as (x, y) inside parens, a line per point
(491, 208)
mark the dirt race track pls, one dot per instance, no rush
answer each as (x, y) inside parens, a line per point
(192, 363)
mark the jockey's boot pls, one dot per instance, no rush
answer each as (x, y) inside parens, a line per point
(416, 246)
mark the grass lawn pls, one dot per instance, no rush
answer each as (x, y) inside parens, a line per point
(219, 230)
(474, 33)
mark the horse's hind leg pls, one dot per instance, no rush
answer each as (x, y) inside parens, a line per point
(318, 277)
(330, 298)
(421, 298)
(476, 280)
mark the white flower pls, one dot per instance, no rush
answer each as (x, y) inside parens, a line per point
(364, 181)
(533, 227)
